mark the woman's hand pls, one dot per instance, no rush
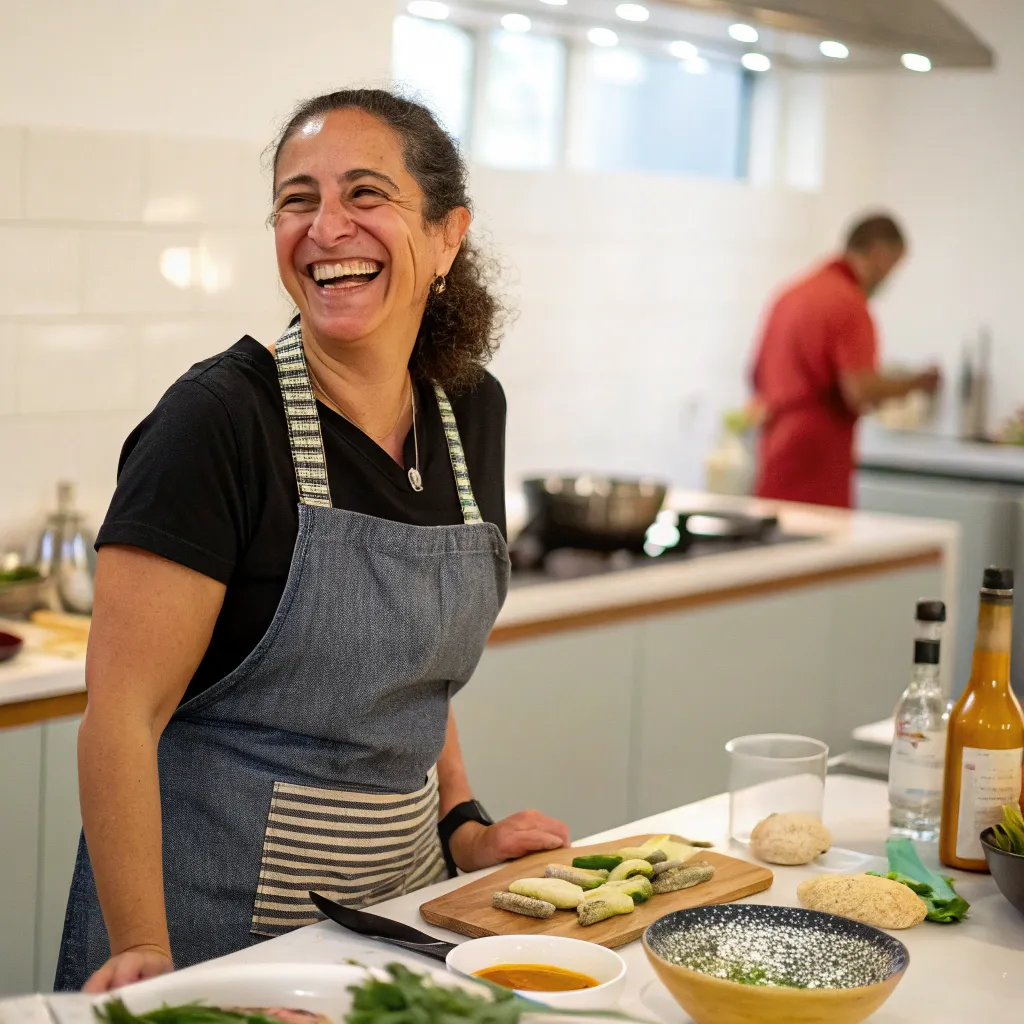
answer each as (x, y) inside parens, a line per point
(135, 964)
(475, 846)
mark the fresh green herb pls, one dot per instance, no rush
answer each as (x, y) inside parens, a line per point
(759, 976)
(945, 905)
(115, 1012)
(1008, 835)
(19, 575)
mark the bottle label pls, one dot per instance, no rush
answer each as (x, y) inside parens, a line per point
(989, 780)
(916, 766)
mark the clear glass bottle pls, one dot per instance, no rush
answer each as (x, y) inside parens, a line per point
(917, 761)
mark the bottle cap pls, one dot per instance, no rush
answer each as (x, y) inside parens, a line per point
(997, 580)
(931, 611)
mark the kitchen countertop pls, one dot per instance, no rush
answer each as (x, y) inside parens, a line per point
(847, 544)
(943, 457)
(970, 971)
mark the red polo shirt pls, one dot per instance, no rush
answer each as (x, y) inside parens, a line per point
(817, 329)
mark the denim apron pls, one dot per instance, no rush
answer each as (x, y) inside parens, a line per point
(313, 764)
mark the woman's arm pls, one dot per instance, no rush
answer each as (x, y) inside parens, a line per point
(152, 622)
(476, 846)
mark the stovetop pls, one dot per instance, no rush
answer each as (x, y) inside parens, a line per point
(572, 563)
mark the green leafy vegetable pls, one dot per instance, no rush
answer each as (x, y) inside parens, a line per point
(759, 976)
(1008, 835)
(19, 575)
(945, 905)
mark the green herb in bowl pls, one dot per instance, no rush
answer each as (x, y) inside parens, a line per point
(22, 574)
(1008, 835)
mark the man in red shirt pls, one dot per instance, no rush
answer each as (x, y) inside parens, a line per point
(816, 370)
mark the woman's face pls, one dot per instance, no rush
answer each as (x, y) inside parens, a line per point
(353, 250)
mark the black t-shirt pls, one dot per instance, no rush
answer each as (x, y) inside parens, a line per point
(206, 480)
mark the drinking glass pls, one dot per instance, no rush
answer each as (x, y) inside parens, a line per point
(773, 773)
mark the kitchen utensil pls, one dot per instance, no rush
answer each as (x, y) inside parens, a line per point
(846, 969)
(1007, 869)
(595, 512)
(772, 773)
(468, 910)
(9, 646)
(382, 928)
(65, 555)
(603, 965)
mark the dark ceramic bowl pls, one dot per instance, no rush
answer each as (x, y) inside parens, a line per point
(811, 966)
(1007, 870)
(9, 646)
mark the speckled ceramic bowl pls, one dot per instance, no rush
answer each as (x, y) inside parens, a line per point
(812, 967)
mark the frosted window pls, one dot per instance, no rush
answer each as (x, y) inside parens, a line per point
(640, 112)
(435, 61)
(521, 102)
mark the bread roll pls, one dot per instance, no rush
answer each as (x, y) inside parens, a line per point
(791, 838)
(880, 902)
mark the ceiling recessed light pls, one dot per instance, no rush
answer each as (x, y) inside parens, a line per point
(682, 49)
(743, 33)
(755, 62)
(603, 37)
(696, 66)
(515, 23)
(632, 12)
(916, 62)
(428, 9)
(830, 48)
(555, 3)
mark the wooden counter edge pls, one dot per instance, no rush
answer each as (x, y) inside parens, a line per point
(31, 712)
(664, 606)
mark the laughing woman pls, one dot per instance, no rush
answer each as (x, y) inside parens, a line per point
(299, 569)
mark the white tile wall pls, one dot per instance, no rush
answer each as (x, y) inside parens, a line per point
(83, 176)
(40, 270)
(12, 154)
(76, 367)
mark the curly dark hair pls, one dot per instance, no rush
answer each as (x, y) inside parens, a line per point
(462, 325)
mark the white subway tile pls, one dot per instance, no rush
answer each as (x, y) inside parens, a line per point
(75, 367)
(8, 370)
(40, 271)
(139, 271)
(12, 150)
(83, 176)
(197, 181)
(238, 272)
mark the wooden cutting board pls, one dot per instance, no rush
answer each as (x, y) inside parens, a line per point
(468, 910)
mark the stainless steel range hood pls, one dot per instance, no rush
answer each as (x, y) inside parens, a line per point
(875, 27)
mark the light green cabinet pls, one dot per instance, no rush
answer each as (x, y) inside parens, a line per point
(20, 771)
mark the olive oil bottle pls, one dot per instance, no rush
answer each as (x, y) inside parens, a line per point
(985, 739)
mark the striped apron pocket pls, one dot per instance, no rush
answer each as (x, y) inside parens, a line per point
(356, 848)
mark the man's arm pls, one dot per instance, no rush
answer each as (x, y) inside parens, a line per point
(476, 846)
(863, 390)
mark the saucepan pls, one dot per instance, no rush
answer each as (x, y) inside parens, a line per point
(600, 513)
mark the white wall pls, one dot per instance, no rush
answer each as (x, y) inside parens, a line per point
(639, 296)
(945, 151)
(128, 130)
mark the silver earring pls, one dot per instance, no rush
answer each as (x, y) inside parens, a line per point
(438, 285)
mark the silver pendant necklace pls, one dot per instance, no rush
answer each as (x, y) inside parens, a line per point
(415, 479)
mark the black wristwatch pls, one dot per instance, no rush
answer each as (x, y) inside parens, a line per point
(471, 810)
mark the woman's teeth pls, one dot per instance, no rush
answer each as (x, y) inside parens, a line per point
(347, 273)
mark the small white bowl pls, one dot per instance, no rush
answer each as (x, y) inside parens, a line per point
(603, 965)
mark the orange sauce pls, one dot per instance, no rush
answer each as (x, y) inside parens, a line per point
(536, 978)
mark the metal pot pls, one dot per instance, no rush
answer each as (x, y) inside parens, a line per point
(595, 512)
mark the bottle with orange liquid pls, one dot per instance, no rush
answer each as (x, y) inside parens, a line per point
(985, 741)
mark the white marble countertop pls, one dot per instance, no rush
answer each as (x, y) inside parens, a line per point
(843, 539)
(960, 973)
(936, 455)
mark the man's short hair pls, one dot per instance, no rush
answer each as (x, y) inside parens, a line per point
(870, 231)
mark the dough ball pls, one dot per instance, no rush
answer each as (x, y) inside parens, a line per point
(791, 838)
(876, 901)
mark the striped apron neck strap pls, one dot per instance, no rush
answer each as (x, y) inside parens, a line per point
(304, 437)
(470, 510)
